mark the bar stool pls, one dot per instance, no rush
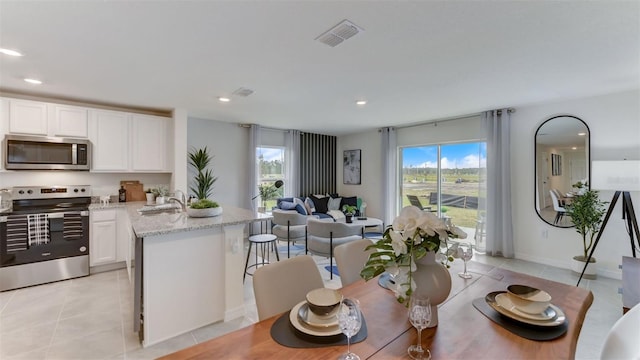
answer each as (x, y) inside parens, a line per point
(262, 241)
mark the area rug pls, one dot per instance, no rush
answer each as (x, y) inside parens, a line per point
(333, 269)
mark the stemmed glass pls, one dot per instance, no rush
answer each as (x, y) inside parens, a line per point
(420, 317)
(465, 251)
(349, 320)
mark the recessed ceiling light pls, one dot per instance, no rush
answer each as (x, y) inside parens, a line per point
(582, 134)
(33, 81)
(574, 148)
(223, 99)
(361, 102)
(9, 52)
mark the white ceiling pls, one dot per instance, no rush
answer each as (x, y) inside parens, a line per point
(415, 61)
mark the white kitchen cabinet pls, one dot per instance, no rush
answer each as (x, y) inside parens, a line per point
(149, 142)
(125, 233)
(4, 125)
(28, 117)
(104, 233)
(109, 135)
(68, 121)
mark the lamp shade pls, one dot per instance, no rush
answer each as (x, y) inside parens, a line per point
(622, 175)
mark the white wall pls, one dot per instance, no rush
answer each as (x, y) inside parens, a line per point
(370, 188)
(614, 122)
(228, 143)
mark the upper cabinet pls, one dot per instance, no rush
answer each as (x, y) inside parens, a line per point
(68, 121)
(126, 142)
(149, 135)
(109, 135)
(45, 119)
(28, 117)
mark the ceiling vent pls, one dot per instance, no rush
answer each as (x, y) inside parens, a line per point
(339, 33)
(244, 92)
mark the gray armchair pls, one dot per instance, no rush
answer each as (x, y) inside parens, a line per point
(289, 226)
(323, 235)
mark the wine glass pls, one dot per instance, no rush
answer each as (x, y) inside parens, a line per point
(465, 251)
(420, 317)
(349, 320)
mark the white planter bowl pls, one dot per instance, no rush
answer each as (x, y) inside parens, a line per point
(199, 213)
(577, 266)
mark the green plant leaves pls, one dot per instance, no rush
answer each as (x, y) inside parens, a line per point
(199, 159)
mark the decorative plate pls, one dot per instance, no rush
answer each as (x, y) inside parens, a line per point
(558, 320)
(308, 329)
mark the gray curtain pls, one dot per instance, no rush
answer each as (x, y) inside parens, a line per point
(389, 171)
(499, 240)
(254, 143)
(292, 171)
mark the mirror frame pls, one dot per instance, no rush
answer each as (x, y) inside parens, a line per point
(535, 164)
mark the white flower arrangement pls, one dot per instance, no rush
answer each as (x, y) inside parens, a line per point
(413, 233)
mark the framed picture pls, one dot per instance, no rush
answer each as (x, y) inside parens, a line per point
(351, 166)
(556, 165)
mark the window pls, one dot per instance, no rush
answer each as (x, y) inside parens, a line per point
(271, 167)
(449, 179)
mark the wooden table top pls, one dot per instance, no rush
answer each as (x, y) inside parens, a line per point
(463, 332)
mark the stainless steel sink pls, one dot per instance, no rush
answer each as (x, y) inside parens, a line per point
(160, 209)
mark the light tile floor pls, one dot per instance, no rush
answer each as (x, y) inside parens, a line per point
(91, 317)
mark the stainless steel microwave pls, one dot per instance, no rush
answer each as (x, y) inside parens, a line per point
(46, 153)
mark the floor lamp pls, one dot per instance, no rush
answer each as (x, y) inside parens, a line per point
(621, 177)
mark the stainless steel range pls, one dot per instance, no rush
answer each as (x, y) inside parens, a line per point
(45, 237)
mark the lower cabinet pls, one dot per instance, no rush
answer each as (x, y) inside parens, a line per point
(111, 239)
(104, 233)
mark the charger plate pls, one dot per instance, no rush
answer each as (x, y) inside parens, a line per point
(309, 318)
(302, 326)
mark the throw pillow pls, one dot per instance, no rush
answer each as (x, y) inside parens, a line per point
(308, 204)
(287, 205)
(320, 204)
(334, 203)
(301, 209)
(352, 200)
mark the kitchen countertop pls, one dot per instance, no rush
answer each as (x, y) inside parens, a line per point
(167, 223)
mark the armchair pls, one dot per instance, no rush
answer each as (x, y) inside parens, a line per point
(289, 226)
(323, 236)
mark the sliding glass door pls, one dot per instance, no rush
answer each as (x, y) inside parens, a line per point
(449, 180)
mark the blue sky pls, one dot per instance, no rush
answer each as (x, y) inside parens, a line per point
(454, 156)
(271, 153)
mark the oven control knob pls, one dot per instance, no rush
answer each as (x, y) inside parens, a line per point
(21, 192)
(29, 191)
(75, 190)
(83, 248)
(82, 190)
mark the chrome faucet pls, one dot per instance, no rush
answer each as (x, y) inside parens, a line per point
(181, 200)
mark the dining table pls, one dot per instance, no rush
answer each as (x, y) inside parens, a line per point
(463, 332)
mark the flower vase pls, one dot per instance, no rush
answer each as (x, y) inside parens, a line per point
(434, 281)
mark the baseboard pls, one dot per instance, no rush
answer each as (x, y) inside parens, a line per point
(234, 313)
(608, 273)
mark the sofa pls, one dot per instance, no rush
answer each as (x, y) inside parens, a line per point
(322, 206)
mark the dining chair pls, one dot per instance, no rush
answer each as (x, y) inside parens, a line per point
(350, 259)
(289, 226)
(622, 340)
(561, 200)
(324, 235)
(278, 287)
(560, 211)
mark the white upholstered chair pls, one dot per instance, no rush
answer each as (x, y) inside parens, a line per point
(350, 259)
(323, 235)
(280, 286)
(289, 226)
(623, 340)
(560, 211)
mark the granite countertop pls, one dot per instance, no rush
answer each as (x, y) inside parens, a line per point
(167, 223)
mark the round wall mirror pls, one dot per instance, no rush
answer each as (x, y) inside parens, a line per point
(562, 159)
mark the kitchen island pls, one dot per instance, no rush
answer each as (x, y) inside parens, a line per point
(188, 271)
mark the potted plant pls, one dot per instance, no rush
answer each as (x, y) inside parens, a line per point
(151, 197)
(586, 211)
(160, 194)
(199, 160)
(267, 192)
(349, 211)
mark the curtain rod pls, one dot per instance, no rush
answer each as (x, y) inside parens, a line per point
(435, 122)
